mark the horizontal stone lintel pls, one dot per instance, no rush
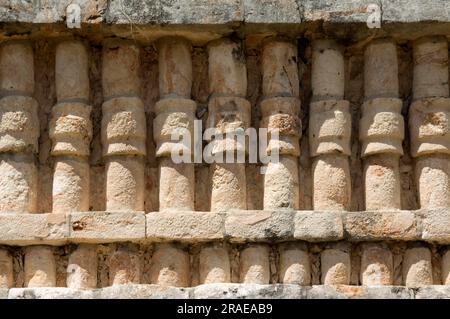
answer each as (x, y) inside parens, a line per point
(202, 21)
(231, 291)
(234, 226)
(225, 11)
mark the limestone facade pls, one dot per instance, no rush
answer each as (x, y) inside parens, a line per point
(92, 201)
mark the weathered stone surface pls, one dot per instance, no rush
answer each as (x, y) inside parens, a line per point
(400, 225)
(223, 11)
(318, 226)
(170, 266)
(433, 292)
(294, 265)
(415, 10)
(142, 292)
(230, 291)
(249, 291)
(95, 227)
(335, 267)
(214, 265)
(254, 265)
(187, 226)
(345, 11)
(27, 229)
(376, 266)
(417, 267)
(82, 268)
(125, 267)
(250, 225)
(6, 269)
(39, 267)
(355, 292)
(51, 11)
(287, 11)
(50, 293)
(336, 195)
(175, 12)
(436, 225)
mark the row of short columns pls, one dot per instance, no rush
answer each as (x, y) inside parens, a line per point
(170, 266)
(381, 127)
(124, 125)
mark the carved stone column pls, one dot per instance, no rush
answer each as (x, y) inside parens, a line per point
(329, 129)
(381, 127)
(123, 127)
(228, 112)
(19, 129)
(174, 111)
(429, 118)
(417, 268)
(280, 109)
(71, 129)
(82, 268)
(6, 269)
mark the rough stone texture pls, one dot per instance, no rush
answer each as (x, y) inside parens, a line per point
(294, 266)
(318, 226)
(336, 267)
(381, 130)
(6, 269)
(142, 292)
(433, 292)
(436, 225)
(82, 268)
(125, 267)
(336, 195)
(377, 266)
(287, 11)
(92, 227)
(170, 266)
(214, 265)
(230, 291)
(223, 12)
(248, 291)
(254, 265)
(237, 226)
(345, 11)
(176, 181)
(138, 71)
(352, 292)
(40, 267)
(401, 225)
(50, 293)
(417, 268)
(194, 226)
(27, 229)
(258, 225)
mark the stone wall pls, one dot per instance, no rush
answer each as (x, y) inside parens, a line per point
(92, 205)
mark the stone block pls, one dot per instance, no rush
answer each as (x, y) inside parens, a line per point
(31, 229)
(143, 291)
(436, 225)
(242, 226)
(186, 226)
(400, 225)
(318, 226)
(106, 227)
(51, 293)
